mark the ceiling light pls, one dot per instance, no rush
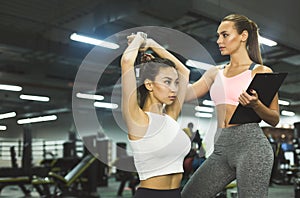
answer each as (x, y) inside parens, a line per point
(93, 41)
(7, 115)
(287, 113)
(197, 64)
(203, 115)
(10, 87)
(55, 111)
(208, 103)
(35, 98)
(283, 102)
(286, 126)
(266, 41)
(37, 119)
(3, 128)
(105, 105)
(89, 96)
(204, 109)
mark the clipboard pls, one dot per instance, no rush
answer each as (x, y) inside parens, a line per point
(266, 85)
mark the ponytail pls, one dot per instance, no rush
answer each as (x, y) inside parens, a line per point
(253, 44)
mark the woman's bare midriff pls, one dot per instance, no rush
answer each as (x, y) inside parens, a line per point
(224, 114)
(164, 182)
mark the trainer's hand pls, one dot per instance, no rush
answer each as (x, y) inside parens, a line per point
(249, 100)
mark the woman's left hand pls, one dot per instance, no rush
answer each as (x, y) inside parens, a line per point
(130, 38)
(249, 100)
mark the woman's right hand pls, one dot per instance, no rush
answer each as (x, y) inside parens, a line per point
(141, 35)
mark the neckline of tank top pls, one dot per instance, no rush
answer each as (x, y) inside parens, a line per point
(163, 115)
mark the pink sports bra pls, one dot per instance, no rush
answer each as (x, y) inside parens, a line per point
(226, 90)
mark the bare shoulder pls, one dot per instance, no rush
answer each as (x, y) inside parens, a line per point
(210, 75)
(212, 72)
(262, 69)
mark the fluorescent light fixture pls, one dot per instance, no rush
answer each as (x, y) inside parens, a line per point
(106, 105)
(283, 102)
(8, 115)
(93, 41)
(55, 111)
(208, 103)
(266, 41)
(10, 87)
(204, 109)
(286, 126)
(287, 113)
(37, 119)
(3, 128)
(203, 115)
(89, 96)
(198, 64)
(35, 98)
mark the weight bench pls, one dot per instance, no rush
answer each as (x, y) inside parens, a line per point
(233, 193)
(20, 181)
(8, 180)
(67, 185)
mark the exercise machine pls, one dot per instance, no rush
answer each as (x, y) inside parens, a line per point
(69, 185)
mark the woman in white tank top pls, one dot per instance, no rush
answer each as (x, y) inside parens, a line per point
(150, 111)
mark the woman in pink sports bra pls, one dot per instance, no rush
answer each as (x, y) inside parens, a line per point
(241, 152)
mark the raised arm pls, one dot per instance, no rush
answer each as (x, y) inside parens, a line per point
(130, 107)
(201, 86)
(174, 109)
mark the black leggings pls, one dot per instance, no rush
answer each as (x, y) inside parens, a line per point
(154, 193)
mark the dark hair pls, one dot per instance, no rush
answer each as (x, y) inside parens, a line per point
(242, 23)
(149, 68)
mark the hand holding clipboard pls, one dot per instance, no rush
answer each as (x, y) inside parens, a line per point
(266, 85)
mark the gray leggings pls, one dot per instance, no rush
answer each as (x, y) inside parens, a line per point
(242, 153)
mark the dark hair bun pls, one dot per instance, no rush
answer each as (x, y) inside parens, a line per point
(147, 58)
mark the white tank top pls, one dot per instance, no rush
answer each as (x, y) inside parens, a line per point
(163, 148)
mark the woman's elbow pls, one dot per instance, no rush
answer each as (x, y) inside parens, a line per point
(275, 121)
(125, 60)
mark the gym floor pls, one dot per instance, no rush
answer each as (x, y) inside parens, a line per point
(275, 191)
